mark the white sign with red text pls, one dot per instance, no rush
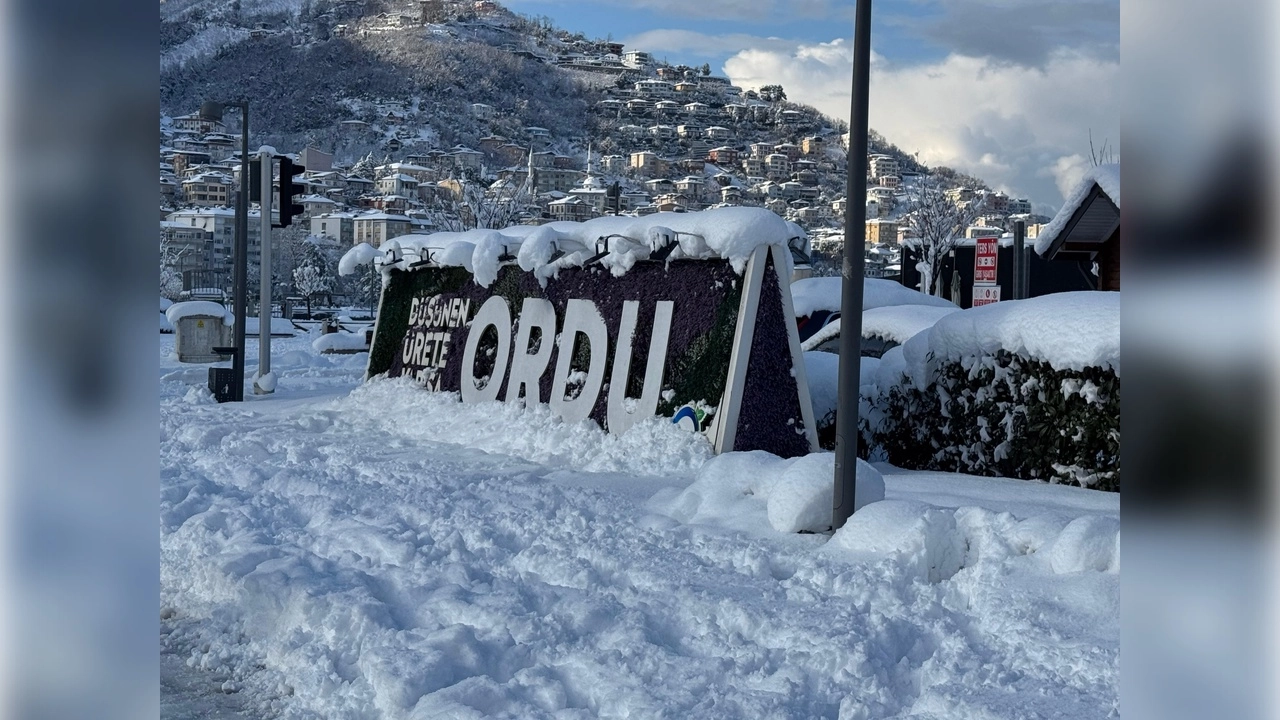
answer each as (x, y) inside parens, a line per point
(985, 294)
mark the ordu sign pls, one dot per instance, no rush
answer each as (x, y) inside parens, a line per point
(689, 340)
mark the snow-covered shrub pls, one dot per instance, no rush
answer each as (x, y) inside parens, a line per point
(1000, 414)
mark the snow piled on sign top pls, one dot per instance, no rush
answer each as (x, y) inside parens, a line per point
(731, 233)
(1106, 177)
(823, 293)
(1069, 331)
(192, 308)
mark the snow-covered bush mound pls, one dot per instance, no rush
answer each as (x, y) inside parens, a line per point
(931, 544)
(1087, 543)
(891, 324)
(730, 233)
(822, 369)
(165, 325)
(1069, 331)
(813, 294)
(923, 538)
(752, 490)
(340, 342)
(1025, 388)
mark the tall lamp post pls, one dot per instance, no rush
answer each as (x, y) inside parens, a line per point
(214, 111)
(855, 220)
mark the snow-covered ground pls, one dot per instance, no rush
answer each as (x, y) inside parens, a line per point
(347, 550)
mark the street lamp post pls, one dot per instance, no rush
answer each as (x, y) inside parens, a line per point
(240, 272)
(852, 272)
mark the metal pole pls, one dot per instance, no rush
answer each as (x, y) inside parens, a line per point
(265, 158)
(241, 254)
(855, 223)
(1019, 260)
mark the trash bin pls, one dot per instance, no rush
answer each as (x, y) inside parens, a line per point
(199, 327)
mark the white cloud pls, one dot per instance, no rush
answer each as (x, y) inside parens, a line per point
(1068, 171)
(1008, 124)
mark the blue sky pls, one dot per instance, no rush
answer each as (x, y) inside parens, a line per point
(1008, 90)
(812, 22)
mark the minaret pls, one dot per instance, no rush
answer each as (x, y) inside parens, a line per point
(528, 175)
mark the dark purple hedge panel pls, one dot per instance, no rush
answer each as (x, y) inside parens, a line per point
(695, 287)
(770, 398)
(705, 297)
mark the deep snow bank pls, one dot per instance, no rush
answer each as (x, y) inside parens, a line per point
(349, 551)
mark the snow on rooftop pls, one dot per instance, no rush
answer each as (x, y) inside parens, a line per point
(1106, 177)
(823, 293)
(382, 216)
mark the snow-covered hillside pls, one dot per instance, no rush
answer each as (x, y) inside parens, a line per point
(346, 550)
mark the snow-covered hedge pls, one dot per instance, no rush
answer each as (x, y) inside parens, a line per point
(1027, 389)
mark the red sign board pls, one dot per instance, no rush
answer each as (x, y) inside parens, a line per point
(985, 294)
(984, 261)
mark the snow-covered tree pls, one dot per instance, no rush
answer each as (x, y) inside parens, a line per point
(366, 285)
(773, 93)
(170, 273)
(364, 167)
(314, 273)
(936, 223)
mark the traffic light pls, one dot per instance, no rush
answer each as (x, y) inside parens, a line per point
(288, 188)
(255, 180)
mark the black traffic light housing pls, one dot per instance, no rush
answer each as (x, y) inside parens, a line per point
(288, 188)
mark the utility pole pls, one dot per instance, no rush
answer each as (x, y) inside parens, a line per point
(266, 158)
(240, 255)
(1021, 262)
(855, 222)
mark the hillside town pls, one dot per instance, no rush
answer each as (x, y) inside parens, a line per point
(662, 138)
